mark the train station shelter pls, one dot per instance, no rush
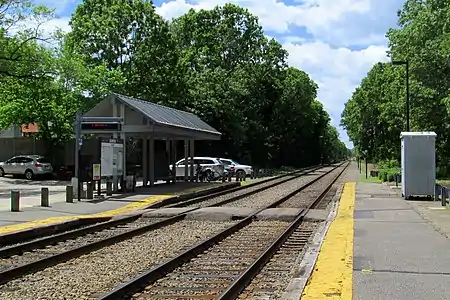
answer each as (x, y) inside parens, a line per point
(152, 122)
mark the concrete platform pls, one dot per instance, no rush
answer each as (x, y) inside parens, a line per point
(34, 216)
(397, 253)
(380, 246)
(279, 214)
(220, 213)
(165, 212)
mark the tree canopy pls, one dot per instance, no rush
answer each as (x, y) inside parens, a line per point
(216, 63)
(376, 113)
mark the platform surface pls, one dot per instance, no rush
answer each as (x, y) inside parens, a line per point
(398, 254)
(380, 246)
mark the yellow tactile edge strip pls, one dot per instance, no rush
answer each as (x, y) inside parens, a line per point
(110, 213)
(333, 272)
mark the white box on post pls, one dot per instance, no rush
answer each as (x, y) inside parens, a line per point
(418, 163)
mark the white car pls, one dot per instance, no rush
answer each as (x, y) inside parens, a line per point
(208, 164)
(235, 167)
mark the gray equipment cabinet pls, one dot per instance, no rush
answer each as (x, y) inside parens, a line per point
(418, 164)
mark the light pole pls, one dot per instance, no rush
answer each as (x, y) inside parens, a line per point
(406, 63)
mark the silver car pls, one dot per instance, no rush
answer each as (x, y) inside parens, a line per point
(235, 167)
(28, 165)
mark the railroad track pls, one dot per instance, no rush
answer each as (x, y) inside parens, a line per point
(223, 265)
(272, 280)
(32, 256)
(238, 193)
(312, 191)
(12, 246)
(264, 199)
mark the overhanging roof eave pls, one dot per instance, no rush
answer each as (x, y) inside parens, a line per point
(185, 117)
(187, 133)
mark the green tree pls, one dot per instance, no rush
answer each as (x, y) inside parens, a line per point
(375, 115)
(52, 99)
(129, 36)
(423, 39)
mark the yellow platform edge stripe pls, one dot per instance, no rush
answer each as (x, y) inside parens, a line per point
(333, 272)
(110, 213)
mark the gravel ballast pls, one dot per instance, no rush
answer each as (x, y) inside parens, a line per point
(308, 195)
(275, 276)
(91, 275)
(36, 254)
(267, 197)
(211, 272)
(218, 199)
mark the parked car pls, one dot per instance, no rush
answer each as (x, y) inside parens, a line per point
(28, 165)
(236, 168)
(209, 165)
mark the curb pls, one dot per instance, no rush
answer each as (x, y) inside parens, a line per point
(36, 232)
(61, 226)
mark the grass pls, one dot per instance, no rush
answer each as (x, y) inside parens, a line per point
(363, 178)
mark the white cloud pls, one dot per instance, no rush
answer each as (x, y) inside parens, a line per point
(52, 25)
(337, 71)
(275, 15)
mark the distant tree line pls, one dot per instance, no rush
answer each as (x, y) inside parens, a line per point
(376, 113)
(215, 63)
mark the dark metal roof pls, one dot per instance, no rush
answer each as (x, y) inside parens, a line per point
(164, 115)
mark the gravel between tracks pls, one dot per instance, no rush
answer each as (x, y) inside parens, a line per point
(275, 276)
(89, 276)
(67, 245)
(227, 259)
(305, 197)
(266, 197)
(237, 193)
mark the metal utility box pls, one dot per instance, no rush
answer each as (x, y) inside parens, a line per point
(418, 163)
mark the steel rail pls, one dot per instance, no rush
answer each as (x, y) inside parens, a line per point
(239, 285)
(51, 240)
(55, 259)
(56, 238)
(159, 271)
(180, 202)
(10, 274)
(298, 174)
(42, 231)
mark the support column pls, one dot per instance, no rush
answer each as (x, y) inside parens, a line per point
(123, 136)
(186, 160)
(174, 160)
(115, 136)
(191, 145)
(144, 161)
(151, 159)
(169, 155)
(124, 158)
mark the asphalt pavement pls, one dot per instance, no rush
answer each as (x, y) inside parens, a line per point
(398, 255)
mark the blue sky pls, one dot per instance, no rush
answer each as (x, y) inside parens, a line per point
(335, 41)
